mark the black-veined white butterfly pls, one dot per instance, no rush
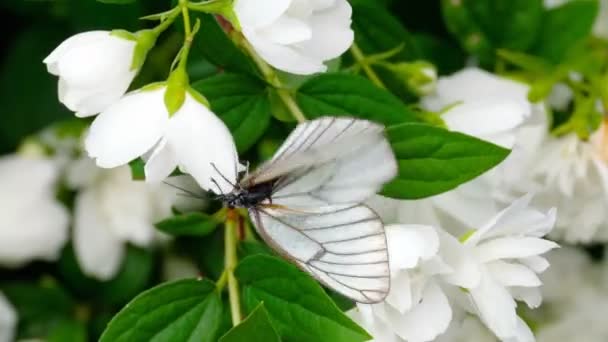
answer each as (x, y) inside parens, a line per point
(306, 203)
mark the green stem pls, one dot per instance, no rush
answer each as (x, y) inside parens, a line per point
(230, 263)
(183, 4)
(271, 77)
(172, 15)
(211, 6)
(361, 60)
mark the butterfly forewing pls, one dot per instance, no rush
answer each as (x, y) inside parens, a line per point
(342, 246)
(319, 177)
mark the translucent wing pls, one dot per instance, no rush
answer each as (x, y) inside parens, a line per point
(342, 246)
(329, 161)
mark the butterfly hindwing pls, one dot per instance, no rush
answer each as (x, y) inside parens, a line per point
(342, 246)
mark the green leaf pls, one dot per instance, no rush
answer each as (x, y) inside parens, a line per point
(482, 26)
(339, 94)
(299, 308)
(433, 160)
(217, 47)
(241, 102)
(190, 224)
(255, 328)
(377, 30)
(93, 15)
(185, 310)
(565, 26)
(40, 308)
(68, 331)
(120, 2)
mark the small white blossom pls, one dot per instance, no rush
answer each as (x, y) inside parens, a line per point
(33, 224)
(296, 36)
(193, 138)
(8, 320)
(508, 249)
(417, 307)
(573, 176)
(491, 108)
(95, 69)
(111, 210)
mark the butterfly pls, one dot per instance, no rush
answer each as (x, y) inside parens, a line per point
(306, 203)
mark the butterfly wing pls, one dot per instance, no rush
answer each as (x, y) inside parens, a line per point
(329, 161)
(342, 246)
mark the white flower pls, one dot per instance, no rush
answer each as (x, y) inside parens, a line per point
(95, 69)
(296, 36)
(111, 210)
(573, 176)
(417, 308)
(8, 320)
(494, 109)
(467, 329)
(508, 250)
(33, 224)
(193, 138)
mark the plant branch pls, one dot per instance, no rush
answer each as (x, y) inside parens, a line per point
(230, 262)
(361, 60)
(271, 77)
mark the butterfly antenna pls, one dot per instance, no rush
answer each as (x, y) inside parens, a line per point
(186, 192)
(218, 186)
(221, 175)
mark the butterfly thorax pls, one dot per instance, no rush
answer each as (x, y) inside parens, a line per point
(247, 197)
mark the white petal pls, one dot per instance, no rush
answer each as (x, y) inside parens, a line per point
(258, 13)
(487, 118)
(512, 274)
(513, 248)
(536, 263)
(204, 146)
(286, 58)
(495, 307)
(374, 326)
(407, 244)
(400, 295)
(97, 62)
(161, 163)
(25, 236)
(66, 45)
(532, 296)
(426, 320)
(522, 333)
(128, 129)
(8, 320)
(331, 32)
(98, 250)
(287, 30)
(466, 272)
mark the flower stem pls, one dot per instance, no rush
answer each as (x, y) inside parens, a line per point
(186, 15)
(361, 60)
(271, 77)
(230, 263)
(168, 21)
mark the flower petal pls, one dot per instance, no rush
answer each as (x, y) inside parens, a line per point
(513, 248)
(128, 129)
(495, 307)
(287, 30)
(204, 147)
(466, 272)
(400, 295)
(259, 13)
(426, 320)
(8, 320)
(408, 244)
(512, 274)
(98, 250)
(161, 163)
(74, 41)
(331, 32)
(286, 58)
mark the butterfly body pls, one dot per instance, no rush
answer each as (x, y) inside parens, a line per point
(248, 197)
